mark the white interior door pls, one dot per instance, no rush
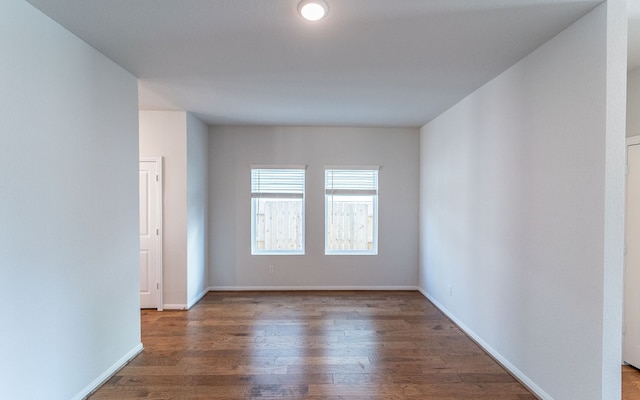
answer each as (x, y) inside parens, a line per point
(150, 233)
(631, 345)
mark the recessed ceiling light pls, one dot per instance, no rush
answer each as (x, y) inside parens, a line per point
(313, 10)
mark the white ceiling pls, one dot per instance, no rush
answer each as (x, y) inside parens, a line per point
(368, 63)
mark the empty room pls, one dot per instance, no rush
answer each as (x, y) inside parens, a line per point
(318, 199)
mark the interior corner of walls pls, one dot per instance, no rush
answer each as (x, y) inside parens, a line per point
(192, 117)
(197, 298)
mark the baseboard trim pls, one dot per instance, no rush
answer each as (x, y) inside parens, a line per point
(307, 288)
(199, 297)
(175, 307)
(519, 375)
(105, 376)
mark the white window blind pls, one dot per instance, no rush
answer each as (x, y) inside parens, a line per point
(277, 183)
(351, 182)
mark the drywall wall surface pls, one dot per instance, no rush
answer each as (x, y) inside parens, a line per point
(234, 149)
(633, 103)
(164, 134)
(69, 281)
(614, 196)
(197, 207)
(513, 214)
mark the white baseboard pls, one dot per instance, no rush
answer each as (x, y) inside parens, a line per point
(192, 302)
(105, 376)
(280, 288)
(174, 306)
(306, 288)
(528, 383)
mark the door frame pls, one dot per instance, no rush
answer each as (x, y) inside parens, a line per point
(159, 213)
(630, 141)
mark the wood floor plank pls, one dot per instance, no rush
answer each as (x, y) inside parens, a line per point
(310, 345)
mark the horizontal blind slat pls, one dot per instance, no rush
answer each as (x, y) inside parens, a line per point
(351, 192)
(277, 195)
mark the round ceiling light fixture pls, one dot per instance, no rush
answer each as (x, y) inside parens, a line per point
(313, 10)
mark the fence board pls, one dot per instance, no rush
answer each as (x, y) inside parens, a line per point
(279, 226)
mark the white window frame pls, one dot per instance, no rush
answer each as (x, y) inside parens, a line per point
(352, 192)
(255, 196)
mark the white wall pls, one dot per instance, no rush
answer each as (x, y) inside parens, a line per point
(164, 133)
(633, 103)
(197, 212)
(234, 149)
(514, 216)
(68, 210)
(181, 140)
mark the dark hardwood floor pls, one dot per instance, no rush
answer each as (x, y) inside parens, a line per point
(630, 383)
(309, 345)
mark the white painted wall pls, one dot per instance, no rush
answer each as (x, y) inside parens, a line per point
(234, 149)
(181, 140)
(164, 133)
(197, 208)
(614, 195)
(520, 212)
(68, 210)
(633, 103)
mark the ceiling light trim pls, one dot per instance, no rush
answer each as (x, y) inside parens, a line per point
(313, 10)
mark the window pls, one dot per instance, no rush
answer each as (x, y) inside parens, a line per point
(351, 210)
(277, 210)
